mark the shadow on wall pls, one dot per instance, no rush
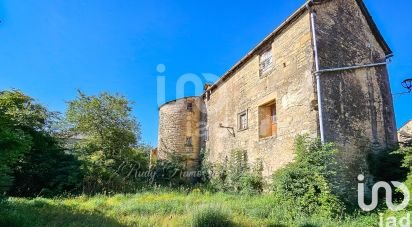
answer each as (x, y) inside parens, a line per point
(41, 213)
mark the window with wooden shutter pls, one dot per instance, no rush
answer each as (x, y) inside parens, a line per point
(267, 120)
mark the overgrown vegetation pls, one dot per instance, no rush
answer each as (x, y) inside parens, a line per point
(307, 185)
(407, 163)
(210, 216)
(168, 173)
(35, 157)
(32, 161)
(109, 146)
(95, 152)
(162, 208)
(236, 175)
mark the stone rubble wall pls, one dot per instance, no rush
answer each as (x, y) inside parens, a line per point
(176, 123)
(358, 107)
(290, 84)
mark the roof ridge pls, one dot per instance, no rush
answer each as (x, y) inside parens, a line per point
(409, 121)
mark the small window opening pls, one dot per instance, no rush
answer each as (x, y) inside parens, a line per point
(188, 142)
(266, 61)
(243, 121)
(189, 107)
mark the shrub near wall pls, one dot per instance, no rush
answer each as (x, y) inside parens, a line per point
(407, 163)
(306, 186)
(237, 175)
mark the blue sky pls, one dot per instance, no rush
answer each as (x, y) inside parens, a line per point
(49, 49)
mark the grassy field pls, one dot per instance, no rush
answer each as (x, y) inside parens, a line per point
(160, 209)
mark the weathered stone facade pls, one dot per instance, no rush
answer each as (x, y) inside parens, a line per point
(405, 134)
(179, 132)
(358, 107)
(291, 86)
(357, 103)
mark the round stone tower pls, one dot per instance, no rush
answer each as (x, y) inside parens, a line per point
(179, 130)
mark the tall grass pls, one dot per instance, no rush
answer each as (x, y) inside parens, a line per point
(164, 209)
(211, 216)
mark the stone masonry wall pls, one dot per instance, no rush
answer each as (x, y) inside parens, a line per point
(290, 84)
(358, 109)
(176, 123)
(405, 134)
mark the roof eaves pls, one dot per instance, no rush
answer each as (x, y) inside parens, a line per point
(406, 124)
(251, 53)
(374, 28)
(175, 100)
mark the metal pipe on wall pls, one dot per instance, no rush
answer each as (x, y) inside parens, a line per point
(351, 67)
(317, 74)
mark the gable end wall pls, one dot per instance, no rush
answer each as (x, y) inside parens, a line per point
(290, 84)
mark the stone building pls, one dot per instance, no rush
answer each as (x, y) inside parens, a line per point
(179, 130)
(405, 134)
(322, 72)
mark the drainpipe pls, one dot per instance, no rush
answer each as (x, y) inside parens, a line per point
(317, 74)
(319, 71)
(351, 67)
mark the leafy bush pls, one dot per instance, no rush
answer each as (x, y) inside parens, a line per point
(306, 186)
(168, 172)
(407, 163)
(236, 175)
(388, 165)
(211, 216)
(392, 165)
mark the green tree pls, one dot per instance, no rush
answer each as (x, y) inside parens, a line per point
(46, 170)
(111, 136)
(31, 160)
(13, 144)
(18, 115)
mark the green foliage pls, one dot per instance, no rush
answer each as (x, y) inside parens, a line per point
(46, 170)
(306, 185)
(407, 160)
(31, 161)
(106, 122)
(13, 144)
(168, 172)
(392, 165)
(387, 165)
(236, 175)
(109, 148)
(407, 163)
(17, 114)
(23, 111)
(43, 212)
(169, 208)
(211, 216)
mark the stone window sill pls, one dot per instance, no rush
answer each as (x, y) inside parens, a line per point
(242, 130)
(267, 138)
